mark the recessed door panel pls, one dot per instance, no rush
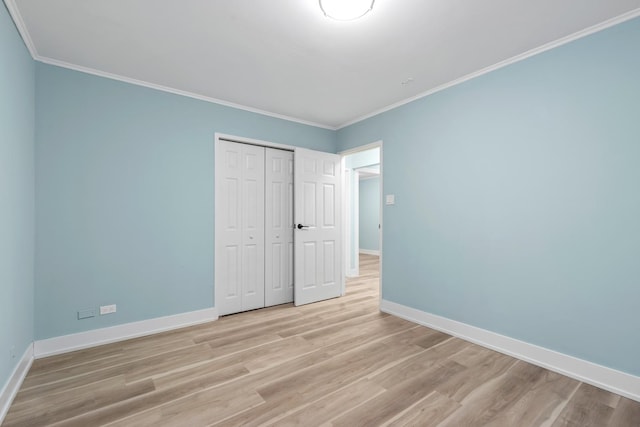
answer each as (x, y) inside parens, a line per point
(279, 229)
(328, 205)
(309, 258)
(253, 212)
(232, 221)
(309, 212)
(328, 259)
(232, 258)
(277, 195)
(276, 267)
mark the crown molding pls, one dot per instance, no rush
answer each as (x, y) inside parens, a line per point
(174, 91)
(28, 41)
(22, 29)
(12, 7)
(535, 51)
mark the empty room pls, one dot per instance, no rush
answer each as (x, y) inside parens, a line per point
(320, 213)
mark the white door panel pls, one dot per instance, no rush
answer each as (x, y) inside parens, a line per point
(317, 243)
(239, 248)
(279, 227)
(228, 227)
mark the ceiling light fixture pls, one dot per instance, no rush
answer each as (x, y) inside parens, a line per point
(346, 10)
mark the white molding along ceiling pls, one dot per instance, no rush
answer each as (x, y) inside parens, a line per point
(285, 59)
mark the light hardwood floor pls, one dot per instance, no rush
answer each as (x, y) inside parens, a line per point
(337, 362)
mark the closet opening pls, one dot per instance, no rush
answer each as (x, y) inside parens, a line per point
(278, 234)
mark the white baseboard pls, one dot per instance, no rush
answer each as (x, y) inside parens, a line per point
(600, 376)
(67, 343)
(14, 382)
(370, 252)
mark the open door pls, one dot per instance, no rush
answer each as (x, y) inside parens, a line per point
(317, 228)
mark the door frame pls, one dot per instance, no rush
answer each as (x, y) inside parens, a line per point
(345, 194)
(217, 290)
(351, 219)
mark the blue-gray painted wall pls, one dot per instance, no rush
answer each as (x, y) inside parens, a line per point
(369, 210)
(517, 199)
(125, 196)
(17, 94)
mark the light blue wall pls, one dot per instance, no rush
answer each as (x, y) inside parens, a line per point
(125, 196)
(517, 199)
(369, 213)
(16, 196)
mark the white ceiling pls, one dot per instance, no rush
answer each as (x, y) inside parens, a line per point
(285, 58)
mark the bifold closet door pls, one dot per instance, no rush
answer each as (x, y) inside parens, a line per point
(240, 202)
(278, 227)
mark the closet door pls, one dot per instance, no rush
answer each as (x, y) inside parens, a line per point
(252, 227)
(279, 227)
(239, 202)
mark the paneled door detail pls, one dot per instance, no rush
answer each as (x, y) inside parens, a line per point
(239, 227)
(278, 227)
(317, 247)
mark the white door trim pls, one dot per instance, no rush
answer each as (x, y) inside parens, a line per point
(355, 223)
(347, 226)
(351, 221)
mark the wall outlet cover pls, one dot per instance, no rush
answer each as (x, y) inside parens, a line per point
(87, 313)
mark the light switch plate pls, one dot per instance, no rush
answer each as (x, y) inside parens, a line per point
(390, 199)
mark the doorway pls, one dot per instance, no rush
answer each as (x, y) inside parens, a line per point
(363, 179)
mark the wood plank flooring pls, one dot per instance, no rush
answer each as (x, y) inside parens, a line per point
(335, 363)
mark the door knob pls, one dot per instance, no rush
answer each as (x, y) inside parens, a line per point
(300, 226)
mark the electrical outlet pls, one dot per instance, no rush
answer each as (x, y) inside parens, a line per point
(107, 309)
(87, 313)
